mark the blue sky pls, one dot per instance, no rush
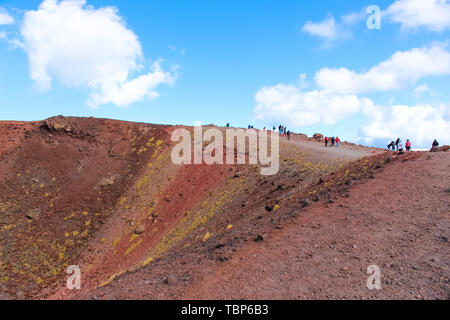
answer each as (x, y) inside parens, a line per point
(217, 55)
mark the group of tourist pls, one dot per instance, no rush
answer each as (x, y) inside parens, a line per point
(282, 130)
(332, 141)
(398, 146)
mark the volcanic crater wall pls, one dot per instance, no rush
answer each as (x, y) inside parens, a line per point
(104, 195)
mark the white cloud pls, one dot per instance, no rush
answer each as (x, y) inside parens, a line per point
(353, 18)
(413, 14)
(421, 124)
(337, 98)
(288, 104)
(134, 90)
(331, 30)
(83, 47)
(5, 18)
(395, 73)
(325, 29)
(421, 89)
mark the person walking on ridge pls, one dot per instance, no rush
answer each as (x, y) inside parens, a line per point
(391, 146)
(397, 144)
(435, 144)
(408, 145)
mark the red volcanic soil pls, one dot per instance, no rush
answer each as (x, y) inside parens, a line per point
(394, 215)
(11, 133)
(398, 220)
(104, 195)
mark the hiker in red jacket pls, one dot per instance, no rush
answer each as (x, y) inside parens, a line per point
(408, 145)
(337, 142)
(326, 142)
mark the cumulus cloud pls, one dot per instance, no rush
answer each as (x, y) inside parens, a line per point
(433, 15)
(5, 18)
(338, 96)
(421, 124)
(395, 73)
(288, 104)
(83, 47)
(137, 89)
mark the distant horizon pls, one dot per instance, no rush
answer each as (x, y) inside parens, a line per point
(309, 135)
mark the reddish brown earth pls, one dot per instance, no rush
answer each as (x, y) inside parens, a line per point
(105, 195)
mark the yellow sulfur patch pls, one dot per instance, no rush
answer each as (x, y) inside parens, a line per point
(134, 237)
(115, 241)
(207, 236)
(148, 261)
(111, 279)
(122, 200)
(132, 247)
